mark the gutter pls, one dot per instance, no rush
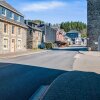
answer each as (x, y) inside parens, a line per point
(13, 22)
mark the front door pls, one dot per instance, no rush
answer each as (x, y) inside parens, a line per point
(12, 45)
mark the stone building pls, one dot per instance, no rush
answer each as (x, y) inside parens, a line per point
(93, 24)
(12, 29)
(34, 35)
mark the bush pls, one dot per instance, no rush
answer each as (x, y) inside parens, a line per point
(49, 45)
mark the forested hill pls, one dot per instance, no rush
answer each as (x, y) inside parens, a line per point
(79, 26)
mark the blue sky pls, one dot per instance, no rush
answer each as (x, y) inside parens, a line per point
(52, 11)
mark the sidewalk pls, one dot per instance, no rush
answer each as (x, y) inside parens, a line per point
(18, 54)
(87, 61)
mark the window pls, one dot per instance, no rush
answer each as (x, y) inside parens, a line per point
(4, 11)
(19, 31)
(18, 18)
(11, 15)
(13, 40)
(5, 43)
(13, 27)
(5, 28)
(19, 44)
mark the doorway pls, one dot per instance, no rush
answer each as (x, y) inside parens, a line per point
(12, 45)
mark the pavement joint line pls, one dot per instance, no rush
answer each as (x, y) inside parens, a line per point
(22, 55)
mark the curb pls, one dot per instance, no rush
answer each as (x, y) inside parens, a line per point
(23, 54)
(80, 52)
(84, 53)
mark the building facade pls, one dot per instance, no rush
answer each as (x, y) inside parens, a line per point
(34, 35)
(74, 36)
(93, 24)
(49, 33)
(60, 37)
(12, 29)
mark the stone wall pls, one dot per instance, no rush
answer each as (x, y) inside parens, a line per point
(29, 39)
(24, 39)
(11, 36)
(34, 39)
(93, 30)
(1, 25)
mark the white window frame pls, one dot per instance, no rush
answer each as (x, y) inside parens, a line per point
(19, 47)
(6, 28)
(18, 18)
(4, 43)
(4, 12)
(12, 30)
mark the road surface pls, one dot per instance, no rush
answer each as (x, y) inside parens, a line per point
(50, 59)
(20, 77)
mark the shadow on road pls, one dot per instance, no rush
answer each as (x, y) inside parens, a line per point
(19, 82)
(75, 85)
(74, 48)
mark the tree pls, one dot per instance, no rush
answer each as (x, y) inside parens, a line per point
(67, 26)
(38, 21)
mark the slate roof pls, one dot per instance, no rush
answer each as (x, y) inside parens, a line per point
(13, 22)
(8, 6)
(34, 28)
(73, 31)
(3, 3)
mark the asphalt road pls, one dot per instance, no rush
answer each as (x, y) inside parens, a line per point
(55, 59)
(20, 77)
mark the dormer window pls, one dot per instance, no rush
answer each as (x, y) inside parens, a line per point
(18, 18)
(11, 15)
(4, 11)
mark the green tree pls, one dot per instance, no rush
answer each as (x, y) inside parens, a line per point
(38, 21)
(67, 26)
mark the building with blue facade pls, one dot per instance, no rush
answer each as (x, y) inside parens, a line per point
(73, 35)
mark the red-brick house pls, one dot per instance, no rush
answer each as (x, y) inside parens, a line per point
(60, 37)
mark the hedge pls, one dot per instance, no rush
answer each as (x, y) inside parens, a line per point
(49, 45)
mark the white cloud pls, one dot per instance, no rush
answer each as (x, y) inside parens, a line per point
(55, 11)
(40, 6)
